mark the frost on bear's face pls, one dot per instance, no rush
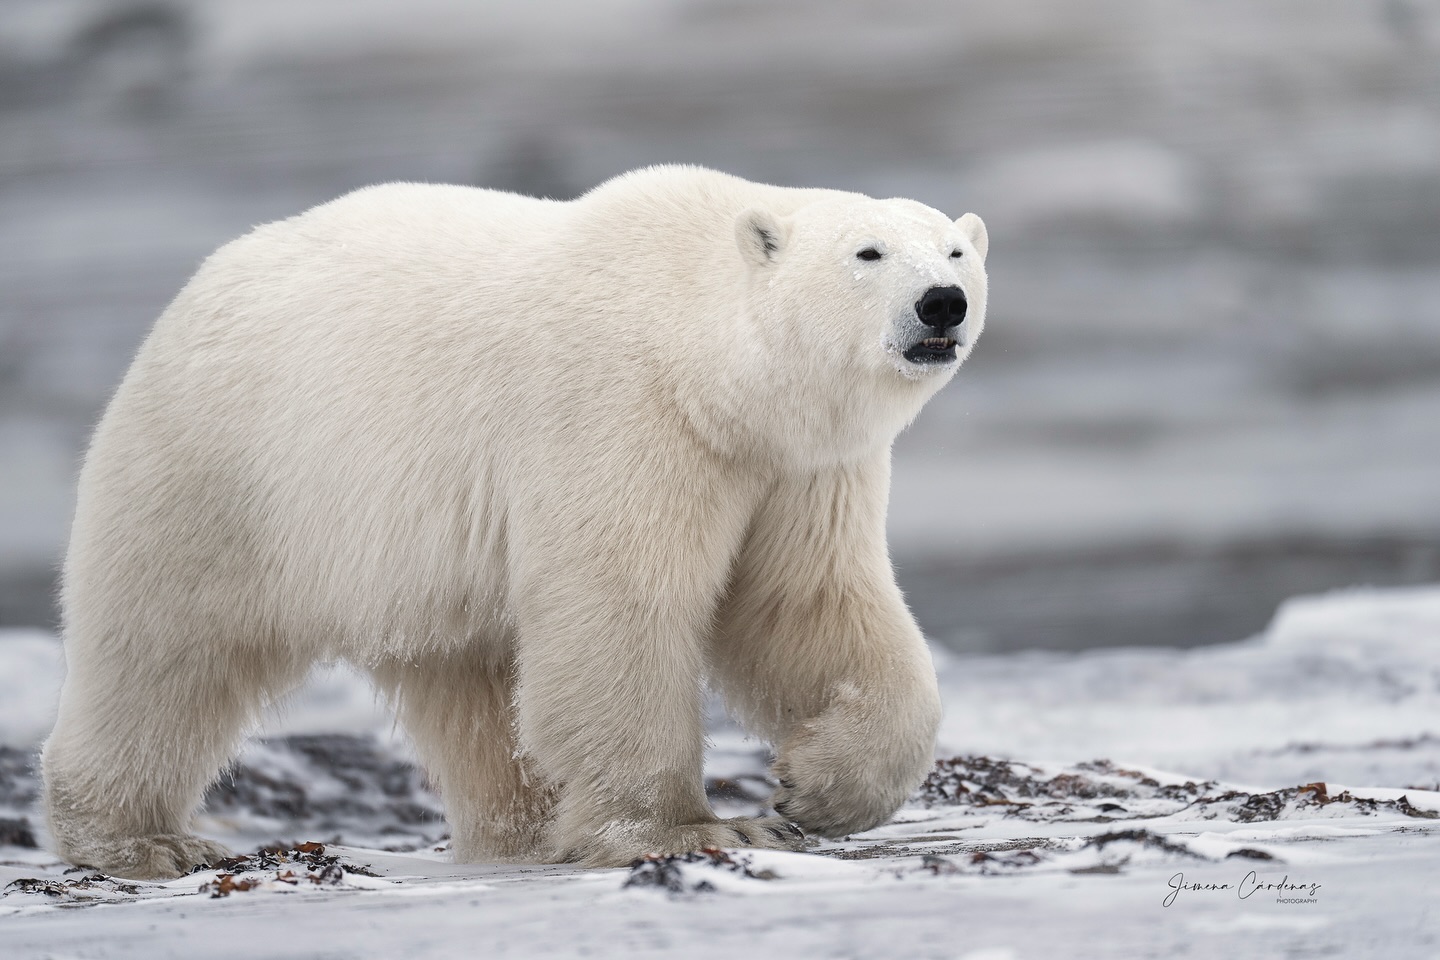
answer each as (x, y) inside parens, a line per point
(891, 286)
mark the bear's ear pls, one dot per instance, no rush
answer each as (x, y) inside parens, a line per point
(974, 228)
(761, 236)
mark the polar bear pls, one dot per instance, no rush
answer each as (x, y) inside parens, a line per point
(543, 469)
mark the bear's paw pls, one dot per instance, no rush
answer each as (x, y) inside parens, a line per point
(161, 857)
(621, 845)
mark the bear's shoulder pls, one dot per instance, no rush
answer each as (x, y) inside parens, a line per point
(700, 189)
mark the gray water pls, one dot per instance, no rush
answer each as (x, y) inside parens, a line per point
(1211, 375)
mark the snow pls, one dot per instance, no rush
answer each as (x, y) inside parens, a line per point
(1338, 686)
(1276, 795)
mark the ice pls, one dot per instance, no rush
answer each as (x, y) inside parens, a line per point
(1036, 847)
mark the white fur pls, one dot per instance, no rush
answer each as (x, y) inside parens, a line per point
(544, 469)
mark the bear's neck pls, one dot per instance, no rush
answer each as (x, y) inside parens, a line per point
(751, 406)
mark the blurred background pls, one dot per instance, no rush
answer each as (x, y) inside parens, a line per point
(1211, 374)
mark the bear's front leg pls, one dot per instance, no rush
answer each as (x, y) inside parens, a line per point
(850, 767)
(612, 604)
(817, 652)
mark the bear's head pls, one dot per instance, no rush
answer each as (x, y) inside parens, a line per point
(889, 284)
(868, 302)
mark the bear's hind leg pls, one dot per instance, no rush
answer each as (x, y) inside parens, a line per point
(459, 711)
(143, 728)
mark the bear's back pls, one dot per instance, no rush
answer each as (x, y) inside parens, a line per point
(668, 227)
(435, 225)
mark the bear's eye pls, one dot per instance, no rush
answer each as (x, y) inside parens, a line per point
(869, 253)
(956, 254)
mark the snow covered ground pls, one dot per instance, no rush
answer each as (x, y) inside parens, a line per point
(1278, 796)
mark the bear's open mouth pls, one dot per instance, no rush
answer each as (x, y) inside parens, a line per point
(932, 350)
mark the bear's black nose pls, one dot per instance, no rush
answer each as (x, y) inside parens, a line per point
(941, 307)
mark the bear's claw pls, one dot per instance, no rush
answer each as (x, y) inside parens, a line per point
(765, 833)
